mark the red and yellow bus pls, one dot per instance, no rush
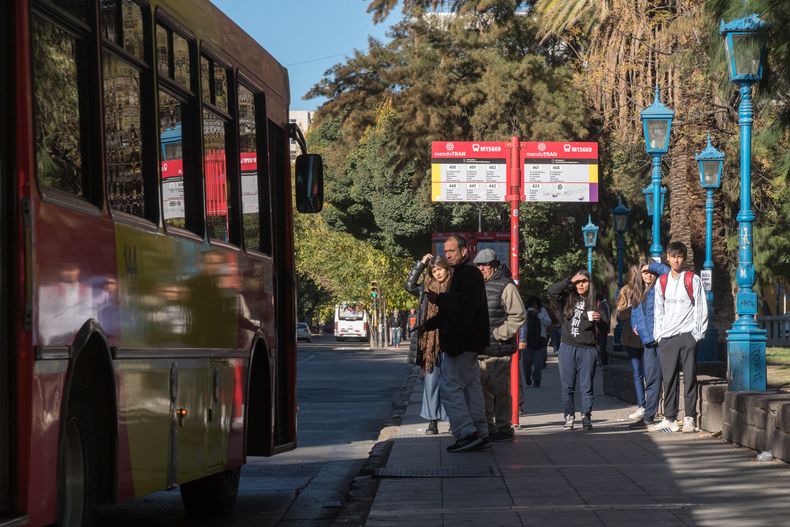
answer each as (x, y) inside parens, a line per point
(147, 337)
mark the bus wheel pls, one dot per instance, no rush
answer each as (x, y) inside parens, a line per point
(78, 468)
(214, 494)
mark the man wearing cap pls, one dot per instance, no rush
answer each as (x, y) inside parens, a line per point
(505, 317)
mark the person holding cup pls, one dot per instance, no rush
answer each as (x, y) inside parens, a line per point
(574, 298)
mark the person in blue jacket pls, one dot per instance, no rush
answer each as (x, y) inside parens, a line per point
(643, 319)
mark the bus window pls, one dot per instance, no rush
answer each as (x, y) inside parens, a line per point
(162, 51)
(172, 170)
(58, 67)
(122, 136)
(218, 204)
(219, 186)
(214, 82)
(122, 24)
(254, 189)
(181, 186)
(181, 62)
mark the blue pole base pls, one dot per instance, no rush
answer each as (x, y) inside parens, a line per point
(707, 350)
(746, 371)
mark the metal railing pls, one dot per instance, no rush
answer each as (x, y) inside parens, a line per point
(778, 329)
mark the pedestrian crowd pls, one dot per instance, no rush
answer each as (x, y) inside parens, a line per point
(471, 320)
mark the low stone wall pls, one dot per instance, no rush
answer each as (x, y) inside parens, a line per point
(618, 381)
(758, 420)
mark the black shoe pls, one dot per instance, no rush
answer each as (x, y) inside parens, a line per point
(528, 382)
(433, 428)
(470, 442)
(587, 422)
(502, 435)
(485, 445)
(638, 425)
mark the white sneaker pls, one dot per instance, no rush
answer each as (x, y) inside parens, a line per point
(689, 425)
(666, 426)
(569, 420)
(638, 414)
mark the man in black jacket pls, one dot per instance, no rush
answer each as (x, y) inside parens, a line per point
(462, 322)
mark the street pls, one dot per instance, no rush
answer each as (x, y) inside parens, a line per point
(345, 396)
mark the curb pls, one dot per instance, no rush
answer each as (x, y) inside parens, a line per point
(362, 491)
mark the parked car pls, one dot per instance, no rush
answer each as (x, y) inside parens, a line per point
(303, 332)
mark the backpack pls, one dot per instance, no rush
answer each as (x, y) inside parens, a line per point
(534, 339)
(688, 281)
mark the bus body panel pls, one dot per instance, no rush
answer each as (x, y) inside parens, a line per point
(48, 384)
(156, 297)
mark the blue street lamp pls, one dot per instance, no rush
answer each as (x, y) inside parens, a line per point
(657, 123)
(648, 192)
(590, 234)
(620, 213)
(744, 44)
(711, 162)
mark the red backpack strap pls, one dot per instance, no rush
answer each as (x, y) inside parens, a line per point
(662, 281)
(688, 281)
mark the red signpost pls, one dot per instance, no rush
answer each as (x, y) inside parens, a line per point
(513, 196)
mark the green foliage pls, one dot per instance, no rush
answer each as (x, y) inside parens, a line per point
(550, 249)
(333, 266)
(478, 76)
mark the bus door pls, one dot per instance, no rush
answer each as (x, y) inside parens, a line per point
(7, 77)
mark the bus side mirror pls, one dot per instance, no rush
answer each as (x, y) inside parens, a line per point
(309, 183)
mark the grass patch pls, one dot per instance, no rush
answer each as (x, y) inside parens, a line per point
(778, 365)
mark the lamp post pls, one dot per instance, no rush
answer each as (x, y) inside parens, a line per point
(744, 44)
(711, 162)
(656, 124)
(590, 234)
(648, 192)
(620, 213)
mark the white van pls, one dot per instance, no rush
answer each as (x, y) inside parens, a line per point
(351, 321)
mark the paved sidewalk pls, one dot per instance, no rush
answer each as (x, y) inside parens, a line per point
(609, 476)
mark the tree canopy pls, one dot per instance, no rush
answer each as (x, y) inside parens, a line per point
(555, 70)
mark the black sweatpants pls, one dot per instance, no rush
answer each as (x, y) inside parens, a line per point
(677, 353)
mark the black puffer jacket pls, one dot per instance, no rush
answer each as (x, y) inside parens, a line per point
(416, 289)
(463, 313)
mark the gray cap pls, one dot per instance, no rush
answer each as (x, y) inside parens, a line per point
(485, 256)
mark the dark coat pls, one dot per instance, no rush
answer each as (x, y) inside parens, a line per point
(463, 313)
(416, 289)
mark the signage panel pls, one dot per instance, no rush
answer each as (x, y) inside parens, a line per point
(468, 171)
(557, 171)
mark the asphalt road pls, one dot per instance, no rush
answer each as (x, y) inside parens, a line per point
(345, 395)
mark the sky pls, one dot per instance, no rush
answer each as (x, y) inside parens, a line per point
(307, 36)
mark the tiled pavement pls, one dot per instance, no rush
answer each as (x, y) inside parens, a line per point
(609, 476)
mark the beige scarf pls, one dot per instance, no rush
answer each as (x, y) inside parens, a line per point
(429, 340)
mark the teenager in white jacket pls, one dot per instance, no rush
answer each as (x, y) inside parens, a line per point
(681, 319)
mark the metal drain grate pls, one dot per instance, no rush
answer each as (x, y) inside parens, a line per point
(461, 471)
